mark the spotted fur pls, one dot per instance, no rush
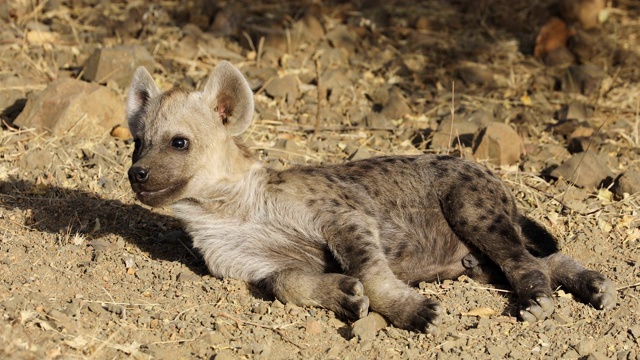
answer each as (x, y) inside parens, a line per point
(348, 237)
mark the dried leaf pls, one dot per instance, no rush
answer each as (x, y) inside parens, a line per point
(482, 312)
(605, 195)
(526, 100)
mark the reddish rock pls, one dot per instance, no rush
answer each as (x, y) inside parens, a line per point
(69, 105)
(498, 143)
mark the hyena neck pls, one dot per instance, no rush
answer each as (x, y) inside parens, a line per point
(238, 193)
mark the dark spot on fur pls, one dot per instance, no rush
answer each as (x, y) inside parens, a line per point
(402, 247)
(366, 166)
(384, 169)
(351, 229)
(463, 222)
(478, 172)
(473, 188)
(483, 217)
(465, 177)
(335, 202)
(492, 228)
(311, 202)
(387, 250)
(329, 177)
(277, 180)
(445, 158)
(350, 164)
(504, 199)
(479, 204)
(505, 231)
(389, 160)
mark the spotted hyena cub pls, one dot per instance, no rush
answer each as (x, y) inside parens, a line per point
(349, 237)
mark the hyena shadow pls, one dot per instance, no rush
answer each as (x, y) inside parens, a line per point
(64, 211)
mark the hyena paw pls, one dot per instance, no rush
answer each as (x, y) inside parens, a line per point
(601, 292)
(535, 307)
(351, 301)
(422, 316)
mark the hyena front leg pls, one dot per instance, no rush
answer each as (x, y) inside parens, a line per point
(353, 240)
(340, 293)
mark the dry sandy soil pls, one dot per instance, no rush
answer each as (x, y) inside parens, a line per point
(87, 272)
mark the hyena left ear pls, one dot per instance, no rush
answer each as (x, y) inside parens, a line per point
(230, 96)
(143, 88)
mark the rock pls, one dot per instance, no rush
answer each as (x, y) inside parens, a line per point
(498, 143)
(309, 28)
(585, 169)
(397, 106)
(628, 182)
(560, 57)
(342, 36)
(360, 153)
(585, 79)
(477, 74)
(13, 89)
(585, 347)
(575, 110)
(333, 79)
(257, 77)
(36, 159)
(72, 106)
(583, 12)
(117, 63)
(463, 129)
(188, 276)
(580, 139)
(313, 327)
(367, 328)
(285, 87)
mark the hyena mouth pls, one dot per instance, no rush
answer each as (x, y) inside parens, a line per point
(157, 197)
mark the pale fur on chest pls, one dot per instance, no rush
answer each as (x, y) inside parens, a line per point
(248, 233)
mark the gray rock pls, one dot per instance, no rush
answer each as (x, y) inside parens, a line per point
(342, 36)
(72, 106)
(628, 182)
(585, 169)
(585, 79)
(285, 87)
(397, 106)
(117, 63)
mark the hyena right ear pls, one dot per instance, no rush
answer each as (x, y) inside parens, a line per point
(228, 94)
(143, 88)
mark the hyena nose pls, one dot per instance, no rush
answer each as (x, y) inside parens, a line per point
(139, 174)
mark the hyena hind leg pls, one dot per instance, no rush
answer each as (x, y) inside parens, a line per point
(339, 293)
(588, 285)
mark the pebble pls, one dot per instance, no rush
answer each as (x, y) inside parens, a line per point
(367, 327)
(628, 182)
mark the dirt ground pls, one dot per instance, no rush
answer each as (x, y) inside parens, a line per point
(88, 272)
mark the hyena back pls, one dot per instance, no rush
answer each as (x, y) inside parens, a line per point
(348, 237)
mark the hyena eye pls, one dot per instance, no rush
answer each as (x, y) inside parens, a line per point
(180, 143)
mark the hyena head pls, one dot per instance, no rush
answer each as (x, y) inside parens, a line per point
(184, 140)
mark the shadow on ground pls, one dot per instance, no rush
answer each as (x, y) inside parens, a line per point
(63, 211)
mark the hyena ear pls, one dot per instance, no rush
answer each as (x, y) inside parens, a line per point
(143, 88)
(229, 95)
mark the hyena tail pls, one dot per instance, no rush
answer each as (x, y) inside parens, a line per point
(538, 240)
